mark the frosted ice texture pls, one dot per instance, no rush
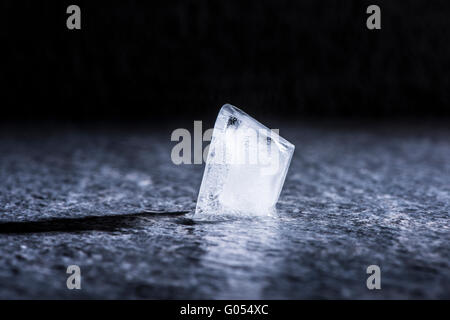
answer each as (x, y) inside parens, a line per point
(246, 166)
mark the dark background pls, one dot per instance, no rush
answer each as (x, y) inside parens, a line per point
(142, 59)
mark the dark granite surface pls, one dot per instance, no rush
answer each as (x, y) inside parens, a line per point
(353, 197)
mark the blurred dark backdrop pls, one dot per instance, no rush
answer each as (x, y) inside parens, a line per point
(145, 59)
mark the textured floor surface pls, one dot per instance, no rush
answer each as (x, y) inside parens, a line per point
(353, 197)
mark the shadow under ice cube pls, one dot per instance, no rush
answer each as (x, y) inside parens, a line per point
(246, 166)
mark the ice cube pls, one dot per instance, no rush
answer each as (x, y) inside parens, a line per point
(246, 166)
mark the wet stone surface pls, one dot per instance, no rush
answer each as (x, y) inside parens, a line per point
(353, 197)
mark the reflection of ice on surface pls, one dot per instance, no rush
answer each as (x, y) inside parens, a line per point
(246, 166)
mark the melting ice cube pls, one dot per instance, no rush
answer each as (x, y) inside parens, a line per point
(246, 166)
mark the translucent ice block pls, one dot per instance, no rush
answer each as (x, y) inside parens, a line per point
(246, 166)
